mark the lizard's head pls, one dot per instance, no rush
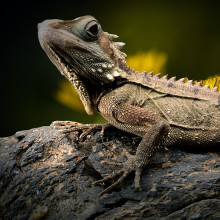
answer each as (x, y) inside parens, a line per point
(84, 54)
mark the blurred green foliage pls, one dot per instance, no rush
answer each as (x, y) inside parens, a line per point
(187, 33)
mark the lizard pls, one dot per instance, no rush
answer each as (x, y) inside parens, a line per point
(163, 111)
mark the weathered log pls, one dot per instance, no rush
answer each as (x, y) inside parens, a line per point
(45, 173)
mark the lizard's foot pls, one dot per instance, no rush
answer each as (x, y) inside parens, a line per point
(69, 123)
(128, 167)
(95, 127)
(86, 129)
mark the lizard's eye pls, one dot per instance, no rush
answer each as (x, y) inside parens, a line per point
(92, 30)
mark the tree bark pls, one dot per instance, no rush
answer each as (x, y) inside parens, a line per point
(47, 174)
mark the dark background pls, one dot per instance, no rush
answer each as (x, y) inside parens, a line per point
(188, 32)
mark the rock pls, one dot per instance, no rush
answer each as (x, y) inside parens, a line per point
(45, 173)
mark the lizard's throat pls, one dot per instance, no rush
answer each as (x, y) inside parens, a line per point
(95, 70)
(72, 74)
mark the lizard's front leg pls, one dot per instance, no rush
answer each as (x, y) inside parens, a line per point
(134, 119)
(86, 129)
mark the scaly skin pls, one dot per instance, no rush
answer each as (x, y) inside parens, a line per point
(162, 111)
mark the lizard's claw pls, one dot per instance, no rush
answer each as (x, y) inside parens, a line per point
(74, 126)
(86, 129)
(93, 128)
(90, 131)
(63, 123)
(123, 173)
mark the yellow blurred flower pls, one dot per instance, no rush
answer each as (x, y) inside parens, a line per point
(67, 95)
(212, 82)
(148, 61)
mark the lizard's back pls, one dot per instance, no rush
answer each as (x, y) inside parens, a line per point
(193, 121)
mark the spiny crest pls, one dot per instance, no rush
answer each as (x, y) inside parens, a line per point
(165, 77)
(172, 79)
(120, 45)
(151, 73)
(181, 87)
(157, 75)
(185, 81)
(198, 84)
(215, 89)
(182, 80)
(189, 82)
(117, 46)
(112, 36)
(152, 79)
(206, 86)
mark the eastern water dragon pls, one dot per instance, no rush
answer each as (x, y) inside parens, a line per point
(162, 111)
